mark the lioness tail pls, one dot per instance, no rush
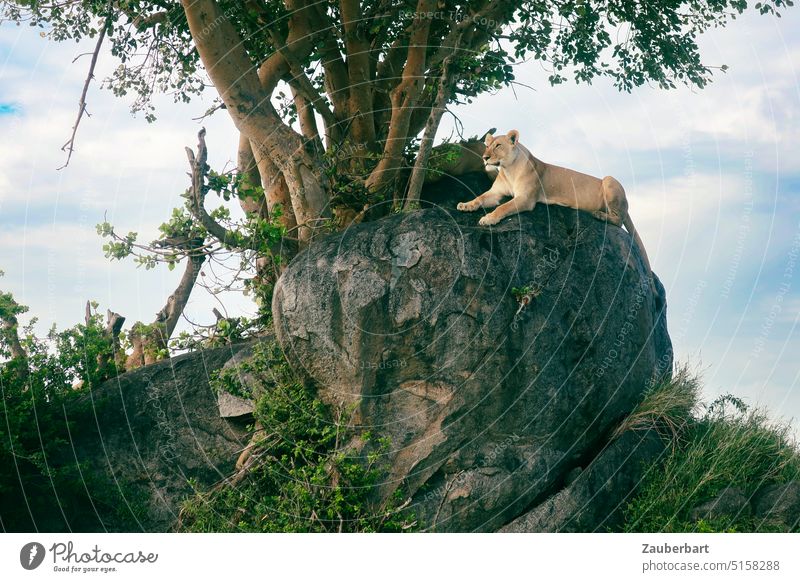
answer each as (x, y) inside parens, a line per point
(639, 244)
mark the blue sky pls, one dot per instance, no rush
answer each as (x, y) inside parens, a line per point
(713, 179)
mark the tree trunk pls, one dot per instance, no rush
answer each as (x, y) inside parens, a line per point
(151, 341)
(247, 167)
(403, 99)
(114, 323)
(234, 75)
(9, 331)
(431, 127)
(362, 129)
(273, 188)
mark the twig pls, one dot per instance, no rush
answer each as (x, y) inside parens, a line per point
(444, 498)
(69, 147)
(211, 111)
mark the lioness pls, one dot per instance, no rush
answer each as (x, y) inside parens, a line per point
(529, 180)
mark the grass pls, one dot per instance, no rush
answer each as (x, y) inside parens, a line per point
(724, 444)
(668, 407)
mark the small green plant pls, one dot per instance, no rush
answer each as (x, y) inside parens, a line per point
(444, 156)
(303, 475)
(524, 295)
(520, 292)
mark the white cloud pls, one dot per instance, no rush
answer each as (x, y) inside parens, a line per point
(133, 170)
(754, 106)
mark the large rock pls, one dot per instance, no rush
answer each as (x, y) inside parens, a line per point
(412, 320)
(596, 499)
(731, 502)
(153, 435)
(777, 507)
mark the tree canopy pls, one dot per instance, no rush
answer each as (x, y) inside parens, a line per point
(372, 73)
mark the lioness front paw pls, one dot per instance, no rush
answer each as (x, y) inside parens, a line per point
(488, 220)
(466, 206)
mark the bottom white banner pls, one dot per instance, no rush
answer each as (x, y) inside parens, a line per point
(389, 557)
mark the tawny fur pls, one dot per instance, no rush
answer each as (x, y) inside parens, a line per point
(529, 181)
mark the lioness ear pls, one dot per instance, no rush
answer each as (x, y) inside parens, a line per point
(488, 139)
(513, 136)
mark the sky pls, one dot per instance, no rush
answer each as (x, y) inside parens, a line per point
(712, 177)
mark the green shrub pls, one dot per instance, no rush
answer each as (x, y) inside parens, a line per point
(41, 486)
(304, 476)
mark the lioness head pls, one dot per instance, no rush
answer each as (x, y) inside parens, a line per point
(500, 151)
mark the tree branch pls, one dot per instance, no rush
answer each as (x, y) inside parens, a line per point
(197, 194)
(335, 77)
(403, 99)
(302, 84)
(431, 127)
(229, 66)
(169, 315)
(489, 10)
(69, 147)
(10, 335)
(359, 72)
(305, 115)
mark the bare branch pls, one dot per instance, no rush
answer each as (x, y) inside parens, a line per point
(69, 147)
(211, 111)
(197, 192)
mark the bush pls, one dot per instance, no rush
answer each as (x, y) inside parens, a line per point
(725, 444)
(304, 473)
(38, 489)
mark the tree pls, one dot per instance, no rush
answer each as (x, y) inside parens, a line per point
(195, 235)
(365, 78)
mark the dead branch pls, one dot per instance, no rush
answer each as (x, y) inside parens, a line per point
(197, 194)
(69, 147)
(114, 323)
(149, 342)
